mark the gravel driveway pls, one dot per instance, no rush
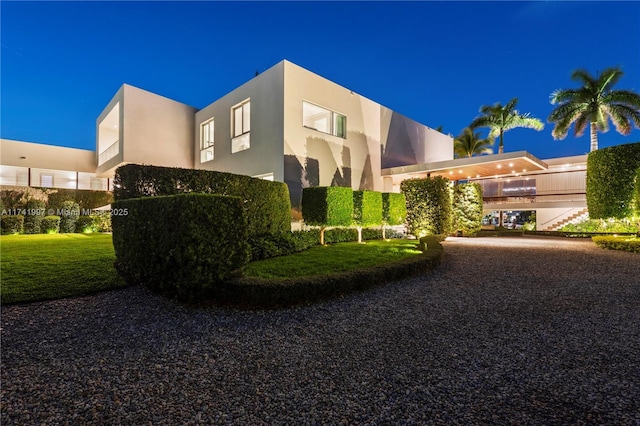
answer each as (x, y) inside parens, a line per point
(506, 331)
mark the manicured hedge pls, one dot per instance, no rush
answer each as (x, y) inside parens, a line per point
(631, 244)
(11, 224)
(263, 293)
(182, 245)
(467, 208)
(266, 204)
(69, 214)
(428, 206)
(35, 210)
(86, 199)
(394, 208)
(50, 225)
(610, 181)
(637, 193)
(367, 209)
(326, 206)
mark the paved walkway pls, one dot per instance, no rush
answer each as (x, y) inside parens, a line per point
(506, 331)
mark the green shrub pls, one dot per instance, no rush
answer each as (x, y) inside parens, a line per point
(394, 208)
(610, 181)
(266, 204)
(86, 199)
(326, 206)
(467, 208)
(631, 244)
(12, 224)
(182, 245)
(85, 224)
(12, 199)
(428, 206)
(50, 225)
(367, 210)
(35, 210)
(637, 193)
(69, 213)
(610, 226)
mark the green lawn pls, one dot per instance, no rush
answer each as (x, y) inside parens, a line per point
(333, 258)
(52, 266)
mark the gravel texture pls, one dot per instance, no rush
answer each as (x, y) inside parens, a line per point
(506, 331)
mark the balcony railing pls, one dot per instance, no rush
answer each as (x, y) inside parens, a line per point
(109, 153)
(539, 198)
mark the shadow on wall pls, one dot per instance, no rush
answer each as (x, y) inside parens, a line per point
(324, 163)
(404, 138)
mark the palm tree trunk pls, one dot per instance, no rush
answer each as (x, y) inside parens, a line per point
(501, 147)
(594, 137)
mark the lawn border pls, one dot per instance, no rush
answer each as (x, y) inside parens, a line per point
(261, 293)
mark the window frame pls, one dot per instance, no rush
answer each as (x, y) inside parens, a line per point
(240, 138)
(333, 121)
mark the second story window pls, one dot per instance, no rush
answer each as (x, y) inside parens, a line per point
(324, 120)
(241, 115)
(206, 141)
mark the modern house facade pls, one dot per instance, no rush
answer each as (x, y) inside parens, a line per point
(291, 125)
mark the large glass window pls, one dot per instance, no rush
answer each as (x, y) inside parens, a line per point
(206, 141)
(241, 127)
(324, 120)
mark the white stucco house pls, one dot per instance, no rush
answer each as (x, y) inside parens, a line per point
(291, 125)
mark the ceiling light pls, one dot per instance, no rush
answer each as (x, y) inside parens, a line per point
(499, 166)
(510, 164)
(460, 171)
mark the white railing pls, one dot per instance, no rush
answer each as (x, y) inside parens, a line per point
(109, 153)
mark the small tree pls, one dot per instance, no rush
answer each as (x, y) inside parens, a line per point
(367, 210)
(394, 210)
(467, 208)
(327, 206)
(428, 206)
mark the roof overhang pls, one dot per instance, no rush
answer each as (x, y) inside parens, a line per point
(485, 166)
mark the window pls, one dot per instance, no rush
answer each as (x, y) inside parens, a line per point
(266, 176)
(206, 141)
(46, 181)
(241, 127)
(324, 120)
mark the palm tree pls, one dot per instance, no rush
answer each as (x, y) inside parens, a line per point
(469, 143)
(594, 103)
(500, 118)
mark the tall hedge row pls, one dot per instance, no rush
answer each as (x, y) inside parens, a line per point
(467, 208)
(428, 206)
(35, 211)
(182, 245)
(266, 203)
(610, 181)
(394, 208)
(637, 192)
(367, 210)
(326, 206)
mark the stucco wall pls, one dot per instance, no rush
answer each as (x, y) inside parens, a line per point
(265, 154)
(46, 156)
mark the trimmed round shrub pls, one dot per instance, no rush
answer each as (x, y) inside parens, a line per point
(35, 211)
(69, 214)
(12, 224)
(181, 245)
(50, 225)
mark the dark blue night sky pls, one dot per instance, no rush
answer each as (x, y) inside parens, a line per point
(435, 62)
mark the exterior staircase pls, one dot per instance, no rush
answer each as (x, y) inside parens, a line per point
(579, 216)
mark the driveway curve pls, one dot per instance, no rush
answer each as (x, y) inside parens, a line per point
(521, 331)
